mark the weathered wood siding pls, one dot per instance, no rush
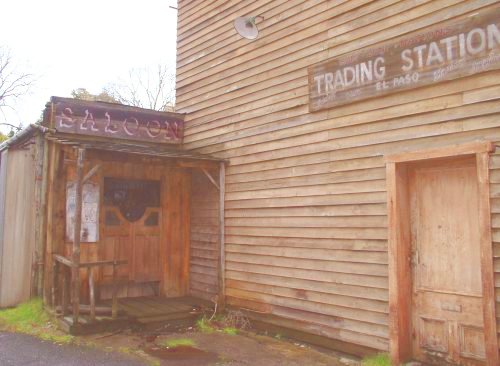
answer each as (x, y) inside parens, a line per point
(18, 226)
(204, 235)
(306, 216)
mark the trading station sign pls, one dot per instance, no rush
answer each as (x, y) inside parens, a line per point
(117, 121)
(452, 50)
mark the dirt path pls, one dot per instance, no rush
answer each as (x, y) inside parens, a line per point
(221, 349)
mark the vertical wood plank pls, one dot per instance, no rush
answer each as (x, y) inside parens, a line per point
(487, 273)
(222, 252)
(185, 225)
(114, 304)
(36, 289)
(176, 234)
(42, 219)
(91, 293)
(52, 195)
(76, 236)
(54, 284)
(64, 295)
(399, 263)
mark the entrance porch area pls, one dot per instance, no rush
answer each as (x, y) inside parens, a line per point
(121, 250)
(145, 312)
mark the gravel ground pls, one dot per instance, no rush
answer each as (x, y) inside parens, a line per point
(20, 349)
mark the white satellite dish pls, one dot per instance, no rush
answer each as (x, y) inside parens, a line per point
(246, 27)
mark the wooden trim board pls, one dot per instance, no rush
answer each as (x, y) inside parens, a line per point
(470, 148)
(486, 251)
(400, 246)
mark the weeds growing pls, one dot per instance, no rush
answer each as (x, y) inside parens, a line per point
(204, 325)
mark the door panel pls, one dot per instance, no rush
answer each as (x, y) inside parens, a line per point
(116, 247)
(116, 243)
(146, 259)
(132, 230)
(146, 237)
(447, 303)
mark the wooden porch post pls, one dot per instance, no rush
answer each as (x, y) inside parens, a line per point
(75, 270)
(222, 254)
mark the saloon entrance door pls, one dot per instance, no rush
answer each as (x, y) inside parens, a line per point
(132, 230)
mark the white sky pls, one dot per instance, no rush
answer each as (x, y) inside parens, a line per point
(83, 44)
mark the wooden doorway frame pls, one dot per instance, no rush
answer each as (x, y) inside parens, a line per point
(400, 274)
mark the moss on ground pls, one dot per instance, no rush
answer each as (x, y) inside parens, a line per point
(31, 318)
(230, 331)
(381, 359)
(178, 342)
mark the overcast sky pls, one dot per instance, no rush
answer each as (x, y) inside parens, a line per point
(83, 44)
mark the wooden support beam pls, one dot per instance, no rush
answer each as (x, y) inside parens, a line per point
(52, 200)
(75, 278)
(115, 262)
(399, 250)
(114, 305)
(222, 253)
(54, 284)
(65, 292)
(59, 258)
(91, 173)
(208, 164)
(91, 293)
(210, 178)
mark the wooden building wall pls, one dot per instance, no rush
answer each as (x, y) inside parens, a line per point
(18, 233)
(306, 215)
(204, 236)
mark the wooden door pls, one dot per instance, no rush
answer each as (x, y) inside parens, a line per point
(132, 229)
(447, 316)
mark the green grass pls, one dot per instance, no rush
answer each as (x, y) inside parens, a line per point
(24, 317)
(381, 359)
(178, 342)
(31, 318)
(204, 326)
(230, 331)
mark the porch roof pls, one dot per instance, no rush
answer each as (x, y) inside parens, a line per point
(128, 147)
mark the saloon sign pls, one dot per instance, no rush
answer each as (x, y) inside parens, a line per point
(118, 121)
(456, 49)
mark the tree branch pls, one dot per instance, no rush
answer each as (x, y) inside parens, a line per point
(145, 88)
(13, 84)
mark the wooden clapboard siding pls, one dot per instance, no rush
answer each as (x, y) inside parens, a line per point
(204, 253)
(495, 223)
(18, 240)
(306, 201)
(278, 63)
